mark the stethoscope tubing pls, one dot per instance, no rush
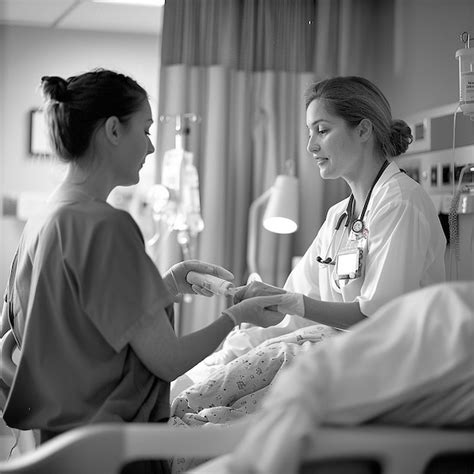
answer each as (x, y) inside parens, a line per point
(348, 215)
(328, 260)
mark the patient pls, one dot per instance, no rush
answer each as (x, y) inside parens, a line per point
(412, 363)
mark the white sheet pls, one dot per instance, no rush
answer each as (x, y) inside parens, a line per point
(415, 350)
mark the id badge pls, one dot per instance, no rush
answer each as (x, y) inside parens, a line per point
(349, 263)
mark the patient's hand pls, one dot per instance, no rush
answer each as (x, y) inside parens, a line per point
(256, 288)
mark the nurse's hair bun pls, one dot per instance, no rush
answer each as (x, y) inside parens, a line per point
(400, 137)
(55, 88)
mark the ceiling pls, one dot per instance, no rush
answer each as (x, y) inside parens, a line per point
(83, 15)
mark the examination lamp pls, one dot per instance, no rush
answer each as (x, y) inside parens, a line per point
(280, 217)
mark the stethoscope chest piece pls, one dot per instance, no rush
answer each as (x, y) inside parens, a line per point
(357, 226)
(360, 234)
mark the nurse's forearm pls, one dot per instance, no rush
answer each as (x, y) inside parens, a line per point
(338, 315)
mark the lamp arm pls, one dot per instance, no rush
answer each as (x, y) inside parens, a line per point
(253, 226)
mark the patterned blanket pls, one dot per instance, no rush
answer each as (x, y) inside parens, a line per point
(237, 388)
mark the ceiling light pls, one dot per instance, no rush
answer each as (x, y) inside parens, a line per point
(146, 3)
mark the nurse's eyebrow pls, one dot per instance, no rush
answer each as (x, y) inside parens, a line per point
(312, 124)
(316, 122)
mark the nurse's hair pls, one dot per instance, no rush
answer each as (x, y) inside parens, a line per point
(353, 99)
(77, 106)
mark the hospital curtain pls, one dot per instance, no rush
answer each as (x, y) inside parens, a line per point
(242, 66)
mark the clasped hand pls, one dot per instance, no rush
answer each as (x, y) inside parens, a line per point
(256, 288)
(264, 305)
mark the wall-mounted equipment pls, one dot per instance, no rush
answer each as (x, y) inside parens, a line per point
(441, 159)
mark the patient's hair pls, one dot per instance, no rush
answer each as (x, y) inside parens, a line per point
(77, 106)
(354, 99)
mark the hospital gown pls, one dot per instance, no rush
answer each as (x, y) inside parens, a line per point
(412, 363)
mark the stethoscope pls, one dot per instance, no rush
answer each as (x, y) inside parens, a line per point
(357, 225)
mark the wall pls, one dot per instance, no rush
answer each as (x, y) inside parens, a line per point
(2, 172)
(416, 41)
(26, 54)
(416, 66)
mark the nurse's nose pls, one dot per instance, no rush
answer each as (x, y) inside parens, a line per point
(313, 147)
(151, 147)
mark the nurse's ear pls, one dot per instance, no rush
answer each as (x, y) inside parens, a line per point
(112, 130)
(365, 129)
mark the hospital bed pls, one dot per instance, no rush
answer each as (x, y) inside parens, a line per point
(363, 449)
(367, 449)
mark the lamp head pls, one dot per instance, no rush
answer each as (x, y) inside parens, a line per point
(281, 215)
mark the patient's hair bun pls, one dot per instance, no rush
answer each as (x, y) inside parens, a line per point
(55, 88)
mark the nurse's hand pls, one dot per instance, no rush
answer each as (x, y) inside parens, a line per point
(256, 288)
(261, 311)
(175, 277)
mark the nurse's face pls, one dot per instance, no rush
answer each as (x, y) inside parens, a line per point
(135, 145)
(333, 144)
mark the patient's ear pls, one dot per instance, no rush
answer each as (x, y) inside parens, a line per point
(112, 129)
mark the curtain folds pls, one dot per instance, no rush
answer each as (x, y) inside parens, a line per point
(242, 66)
(250, 35)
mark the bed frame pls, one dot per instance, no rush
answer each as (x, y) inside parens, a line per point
(106, 448)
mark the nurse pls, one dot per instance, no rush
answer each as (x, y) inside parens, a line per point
(88, 307)
(382, 241)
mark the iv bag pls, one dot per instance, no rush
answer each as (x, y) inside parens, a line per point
(180, 177)
(190, 201)
(466, 80)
